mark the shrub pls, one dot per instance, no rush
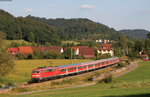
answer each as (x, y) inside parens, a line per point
(20, 56)
(9, 84)
(108, 79)
(120, 65)
(1, 86)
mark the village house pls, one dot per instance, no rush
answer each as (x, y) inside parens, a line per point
(13, 51)
(23, 50)
(84, 51)
(29, 50)
(105, 48)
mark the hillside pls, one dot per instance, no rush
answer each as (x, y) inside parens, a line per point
(41, 30)
(136, 33)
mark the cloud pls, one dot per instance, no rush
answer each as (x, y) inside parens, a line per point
(30, 10)
(86, 6)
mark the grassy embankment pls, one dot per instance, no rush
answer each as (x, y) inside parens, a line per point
(133, 84)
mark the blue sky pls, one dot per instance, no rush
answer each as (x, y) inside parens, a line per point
(118, 14)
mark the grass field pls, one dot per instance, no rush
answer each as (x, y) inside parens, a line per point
(20, 42)
(23, 69)
(133, 84)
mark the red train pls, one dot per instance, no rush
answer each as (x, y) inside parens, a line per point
(47, 73)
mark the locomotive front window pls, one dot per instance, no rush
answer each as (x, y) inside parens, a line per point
(35, 71)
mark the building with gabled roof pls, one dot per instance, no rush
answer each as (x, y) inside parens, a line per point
(87, 52)
(84, 51)
(105, 48)
(13, 51)
(25, 50)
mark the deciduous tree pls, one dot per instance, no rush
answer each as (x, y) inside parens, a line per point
(6, 61)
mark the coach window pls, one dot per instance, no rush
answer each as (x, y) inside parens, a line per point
(47, 70)
(35, 71)
(80, 67)
(50, 70)
(84, 66)
(97, 64)
(74, 68)
(90, 65)
(63, 70)
(69, 69)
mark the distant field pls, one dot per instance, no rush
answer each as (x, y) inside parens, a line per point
(133, 84)
(20, 42)
(69, 42)
(23, 68)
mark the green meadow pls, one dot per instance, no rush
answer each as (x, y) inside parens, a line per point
(132, 84)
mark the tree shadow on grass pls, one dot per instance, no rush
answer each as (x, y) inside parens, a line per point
(138, 95)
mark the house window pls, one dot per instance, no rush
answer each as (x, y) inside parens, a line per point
(104, 47)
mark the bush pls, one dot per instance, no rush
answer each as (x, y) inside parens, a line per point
(1, 86)
(120, 65)
(9, 84)
(108, 79)
(20, 56)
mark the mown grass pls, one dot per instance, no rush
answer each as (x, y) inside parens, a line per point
(129, 85)
(140, 75)
(92, 91)
(23, 69)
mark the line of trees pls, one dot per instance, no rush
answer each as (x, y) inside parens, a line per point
(125, 47)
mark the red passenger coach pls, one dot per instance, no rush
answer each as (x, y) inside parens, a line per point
(47, 73)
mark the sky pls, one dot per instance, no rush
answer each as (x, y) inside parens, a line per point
(117, 14)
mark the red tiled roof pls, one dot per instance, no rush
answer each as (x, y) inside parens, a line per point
(47, 49)
(25, 50)
(13, 51)
(78, 47)
(86, 52)
(105, 47)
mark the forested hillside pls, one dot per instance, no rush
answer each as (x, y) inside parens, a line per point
(136, 33)
(41, 30)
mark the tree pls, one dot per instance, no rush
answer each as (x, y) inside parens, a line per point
(69, 53)
(148, 35)
(53, 55)
(20, 56)
(6, 60)
(147, 47)
(30, 37)
(121, 46)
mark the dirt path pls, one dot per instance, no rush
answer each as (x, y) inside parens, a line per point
(133, 64)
